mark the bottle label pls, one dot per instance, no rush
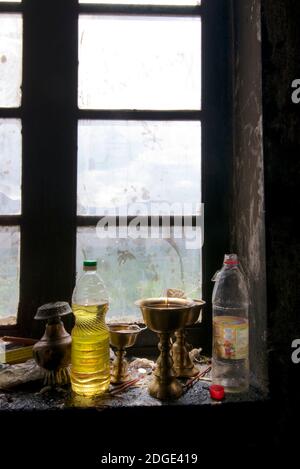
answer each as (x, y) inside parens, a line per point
(231, 337)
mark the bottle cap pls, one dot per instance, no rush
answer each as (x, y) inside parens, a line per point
(90, 263)
(231, 259)
(217, 392)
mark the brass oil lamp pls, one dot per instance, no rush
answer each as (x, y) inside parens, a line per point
(122, 336)
(165, 316)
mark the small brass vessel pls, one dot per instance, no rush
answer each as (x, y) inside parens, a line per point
(53, 351)
(164, 316)
(122, 336)
(183, 364)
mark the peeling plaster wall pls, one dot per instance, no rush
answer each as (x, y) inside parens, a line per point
(247, 233)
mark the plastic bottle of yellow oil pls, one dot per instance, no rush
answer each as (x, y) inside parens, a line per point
(90, 370)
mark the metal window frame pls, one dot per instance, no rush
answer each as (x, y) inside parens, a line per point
(50, 117)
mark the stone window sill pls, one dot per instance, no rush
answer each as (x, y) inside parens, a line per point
(28, 398)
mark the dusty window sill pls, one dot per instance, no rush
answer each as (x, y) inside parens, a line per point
(28, 398)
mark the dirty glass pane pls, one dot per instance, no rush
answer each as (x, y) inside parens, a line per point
(135, 165)
(10, 166)
(9, 273)
(10, 60)
(140, 268)
(139, 62)
(145, 2)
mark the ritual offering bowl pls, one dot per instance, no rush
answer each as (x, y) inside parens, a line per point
(164, 316)
(183, 364)
(122, 336)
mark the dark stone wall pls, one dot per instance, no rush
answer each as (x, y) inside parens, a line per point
(281, 130)
(247, 212)
(281, 120)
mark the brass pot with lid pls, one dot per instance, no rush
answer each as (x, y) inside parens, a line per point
(53, 351)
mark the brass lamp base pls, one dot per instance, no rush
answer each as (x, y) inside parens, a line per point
(165, 391)
(55, 379)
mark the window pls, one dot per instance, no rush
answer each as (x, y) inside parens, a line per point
(10, 162)
(133, 158)
(117, 115)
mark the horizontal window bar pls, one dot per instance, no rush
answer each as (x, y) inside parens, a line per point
(93, 220)
(8, 7)
(162, 10)
(12, 329)
(10, 220)
(139, 115)
(115, 9)
(10, 112)
(128, 114)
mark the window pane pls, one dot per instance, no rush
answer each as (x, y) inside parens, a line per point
(136, 165)
(10, 60)
(139, 63)
(140, 268)
(145, 2)
(9, 273)
(10, 166)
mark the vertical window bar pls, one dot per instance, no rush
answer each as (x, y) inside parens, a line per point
(49, 155)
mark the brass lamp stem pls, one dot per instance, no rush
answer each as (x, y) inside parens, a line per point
(120, 367)
(165, 385)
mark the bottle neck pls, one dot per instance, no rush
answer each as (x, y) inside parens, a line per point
(87, 268)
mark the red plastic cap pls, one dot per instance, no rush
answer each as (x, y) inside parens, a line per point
(231, 259)
(217, 392)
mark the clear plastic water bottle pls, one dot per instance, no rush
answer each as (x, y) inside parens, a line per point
(90, 370)
(230, 361)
